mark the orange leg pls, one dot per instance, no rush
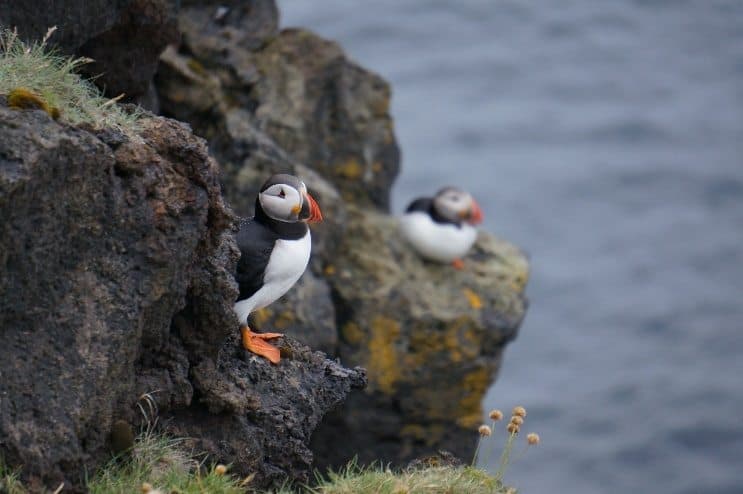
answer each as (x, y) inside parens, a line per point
(458, 264)
(256, 343)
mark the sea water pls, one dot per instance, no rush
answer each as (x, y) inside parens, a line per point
(606, 139)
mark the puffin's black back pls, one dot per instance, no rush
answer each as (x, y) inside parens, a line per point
(256, 242)
(425, 205)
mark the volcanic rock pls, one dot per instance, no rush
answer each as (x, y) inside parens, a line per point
(117, 256)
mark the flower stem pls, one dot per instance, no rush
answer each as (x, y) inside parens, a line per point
(477, 450)
(504, 457)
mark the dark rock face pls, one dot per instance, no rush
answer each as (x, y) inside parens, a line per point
(125, 57)
(116, 260)
(100, 244)
(295, 89)
(76, 20)
(124, 37)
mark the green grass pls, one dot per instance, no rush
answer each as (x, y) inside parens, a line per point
(9, 482)
(53, 79)
(429, 480)
(160, 462)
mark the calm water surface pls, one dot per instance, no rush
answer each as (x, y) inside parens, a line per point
(605, 138)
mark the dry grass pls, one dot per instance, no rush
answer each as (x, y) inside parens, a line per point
(34, 76)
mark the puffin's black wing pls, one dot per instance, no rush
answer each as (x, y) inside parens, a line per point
(256, 242)
(420, 204)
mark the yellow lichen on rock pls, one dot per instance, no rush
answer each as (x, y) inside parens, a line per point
(261, 316)
(352, 333)
(196, 67)
(456, 343)
(520, 277)
(416, 431)
(351, 169)
(284, 320)
(429, 435)
(473, 298)
(384, 363)
(22, 98)
(473, 388)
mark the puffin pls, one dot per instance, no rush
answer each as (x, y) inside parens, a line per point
(275, 247)
(441, 228)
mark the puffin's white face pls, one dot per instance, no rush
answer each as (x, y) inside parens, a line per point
(283, 202)
(457, 205)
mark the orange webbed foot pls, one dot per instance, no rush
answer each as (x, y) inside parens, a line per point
(256, 343)
(458, 264)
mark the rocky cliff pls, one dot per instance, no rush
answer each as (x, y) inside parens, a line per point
(116, 259)
(116, 256)
(431, 338)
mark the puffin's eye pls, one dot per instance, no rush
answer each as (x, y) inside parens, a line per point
(282, 194)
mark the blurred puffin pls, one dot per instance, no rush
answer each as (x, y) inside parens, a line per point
(275, 248)
(440, 228)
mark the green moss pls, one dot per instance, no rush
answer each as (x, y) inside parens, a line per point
(33, 76)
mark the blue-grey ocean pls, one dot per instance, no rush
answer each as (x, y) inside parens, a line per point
(606, 139)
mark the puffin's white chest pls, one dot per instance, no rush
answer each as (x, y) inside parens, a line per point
(442, 242)
(288, 261)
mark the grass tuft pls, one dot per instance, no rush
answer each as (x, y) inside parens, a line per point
(33, 75)
(9, 482)
(157, 464)
(429, 480)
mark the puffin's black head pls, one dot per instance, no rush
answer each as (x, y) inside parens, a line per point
(285, 198)
(457, 205)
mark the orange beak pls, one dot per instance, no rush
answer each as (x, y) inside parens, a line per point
(315, 215)
(475, 213)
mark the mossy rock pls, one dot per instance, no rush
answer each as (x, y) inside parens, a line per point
(430, 337)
